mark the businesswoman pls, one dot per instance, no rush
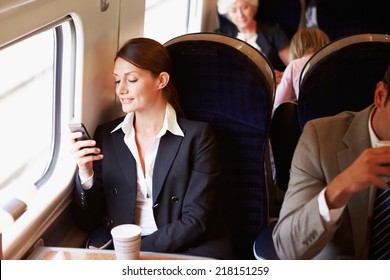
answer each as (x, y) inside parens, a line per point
(152, 167)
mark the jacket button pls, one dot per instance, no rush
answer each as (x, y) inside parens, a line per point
(114, 191)
(174, 199)
(83, 200)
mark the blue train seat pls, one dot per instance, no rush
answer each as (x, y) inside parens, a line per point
(229, 84)
(342, 76)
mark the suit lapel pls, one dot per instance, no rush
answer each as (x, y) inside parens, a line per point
(167, 151)
(125, 159)
(358, 206)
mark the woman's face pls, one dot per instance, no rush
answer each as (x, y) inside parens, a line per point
(136, 88)
(241, 13)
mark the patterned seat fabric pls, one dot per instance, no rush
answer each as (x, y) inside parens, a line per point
(342, 76)
(220, 84)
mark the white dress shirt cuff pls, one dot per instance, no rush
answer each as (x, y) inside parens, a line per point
(330, 216)
(86, 183)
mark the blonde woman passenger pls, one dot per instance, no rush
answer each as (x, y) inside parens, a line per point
(304, 44)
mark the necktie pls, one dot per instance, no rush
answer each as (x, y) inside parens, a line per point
(380, 239)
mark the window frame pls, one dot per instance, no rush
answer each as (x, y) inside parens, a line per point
(57, 98)
(58, 58)
(38, 215)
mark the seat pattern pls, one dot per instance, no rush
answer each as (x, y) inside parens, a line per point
(220, 85)
(344, 78)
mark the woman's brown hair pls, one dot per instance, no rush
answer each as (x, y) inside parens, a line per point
(150, 55)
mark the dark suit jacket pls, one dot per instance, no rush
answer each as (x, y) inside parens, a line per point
(271, 38)
(186, 190)
(327, 147)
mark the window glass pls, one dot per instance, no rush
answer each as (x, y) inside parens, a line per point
(26, 109)
(166, 19)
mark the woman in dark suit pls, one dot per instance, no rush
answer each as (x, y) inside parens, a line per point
(267, 37)
(152, 167)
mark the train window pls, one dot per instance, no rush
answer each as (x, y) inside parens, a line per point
(159, 22)
(31, 72)
(161, 25)
(37, 96)
(190, 16)
(26, 110)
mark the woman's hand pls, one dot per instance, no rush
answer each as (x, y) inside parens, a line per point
(85, 153)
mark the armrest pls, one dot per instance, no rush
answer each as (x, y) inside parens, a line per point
(263, 247)
(100, 238)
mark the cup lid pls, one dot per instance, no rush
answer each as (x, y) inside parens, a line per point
(126, 231)
(382, 143)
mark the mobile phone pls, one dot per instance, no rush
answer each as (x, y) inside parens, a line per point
(80, 127)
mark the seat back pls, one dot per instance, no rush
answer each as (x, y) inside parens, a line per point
(342, 76)
(285, 12)
(230, 85)
(350, 17)
(284, 134)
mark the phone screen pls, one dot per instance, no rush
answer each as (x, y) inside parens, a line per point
(79, 127)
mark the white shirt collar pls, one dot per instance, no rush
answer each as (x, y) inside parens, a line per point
(374, 139)
(250, 38)
(170, 123)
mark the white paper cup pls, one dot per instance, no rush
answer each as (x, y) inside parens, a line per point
(127, 241)
(383, 144)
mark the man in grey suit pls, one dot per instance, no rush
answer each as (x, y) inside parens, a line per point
(327, 210)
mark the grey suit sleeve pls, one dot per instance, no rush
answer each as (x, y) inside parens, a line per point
(300, 232)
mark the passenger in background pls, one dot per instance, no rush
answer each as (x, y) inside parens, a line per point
(267, 37)
(159, 170)
(304, 44)
(311, 13)
(335, 175)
